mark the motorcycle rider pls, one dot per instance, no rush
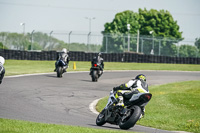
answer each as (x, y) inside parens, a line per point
(99, 61)
(2, 69)
(64, 57)
(137, 85)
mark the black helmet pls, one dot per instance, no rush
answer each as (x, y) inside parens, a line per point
(141, 76)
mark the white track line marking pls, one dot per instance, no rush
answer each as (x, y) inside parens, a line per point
(92, 106)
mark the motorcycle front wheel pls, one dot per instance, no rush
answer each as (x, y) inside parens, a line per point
(130, 118)
(100, 119)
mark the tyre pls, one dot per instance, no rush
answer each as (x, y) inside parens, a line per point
(94, 76)
(59, 72)
(100, 119)
(131, 118)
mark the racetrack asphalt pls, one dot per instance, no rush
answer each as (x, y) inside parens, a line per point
(47, 99)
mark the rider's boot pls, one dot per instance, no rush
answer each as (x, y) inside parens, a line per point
(100, 73)
(65, 68)
(142, 114)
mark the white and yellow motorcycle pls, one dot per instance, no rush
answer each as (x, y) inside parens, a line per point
(125, 116)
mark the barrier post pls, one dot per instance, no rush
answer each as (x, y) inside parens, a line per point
(74, 66)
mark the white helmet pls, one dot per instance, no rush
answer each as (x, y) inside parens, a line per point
(2, 60)
(64, 50)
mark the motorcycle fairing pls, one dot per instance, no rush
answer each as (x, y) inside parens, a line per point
(139, 99)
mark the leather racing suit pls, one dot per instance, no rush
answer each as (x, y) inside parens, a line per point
(2, 72)
(64, 57)
(99, 62)
(134, 86)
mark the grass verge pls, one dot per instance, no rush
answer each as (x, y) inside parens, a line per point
(18, 126)
(174, 106)
(17, 67)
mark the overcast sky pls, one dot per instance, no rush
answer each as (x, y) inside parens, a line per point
(69, 15)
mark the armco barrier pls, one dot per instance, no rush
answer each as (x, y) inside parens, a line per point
(108, 57)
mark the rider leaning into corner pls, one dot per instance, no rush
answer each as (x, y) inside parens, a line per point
(137, 85)
(2, 69)
(64, 57)
(99, 61)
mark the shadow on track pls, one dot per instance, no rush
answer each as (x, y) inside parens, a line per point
(108, 127)
(52, 76)
(87, 80)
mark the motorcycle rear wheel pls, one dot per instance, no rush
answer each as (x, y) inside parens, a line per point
(94, 76)
(129, 121)
(59, 72)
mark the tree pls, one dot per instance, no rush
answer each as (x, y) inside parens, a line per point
(197, 43)
(41, 38)
(160, 22)
(116, 32)
(2, 46)
(188, 51)
(15, 40)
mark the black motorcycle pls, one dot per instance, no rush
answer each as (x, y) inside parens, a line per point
(61, 67)
(127, 116)
(95, 72)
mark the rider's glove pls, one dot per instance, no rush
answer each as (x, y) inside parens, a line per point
(114, 89)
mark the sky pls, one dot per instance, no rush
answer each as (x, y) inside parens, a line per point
(70, 15)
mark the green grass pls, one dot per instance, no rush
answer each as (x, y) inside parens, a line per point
(174, 106)
(150, 66)
(18, 126)
(16, 67)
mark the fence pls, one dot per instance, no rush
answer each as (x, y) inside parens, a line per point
(96, 42)
(108, 57)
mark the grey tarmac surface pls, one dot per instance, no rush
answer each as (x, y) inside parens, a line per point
(48, 99)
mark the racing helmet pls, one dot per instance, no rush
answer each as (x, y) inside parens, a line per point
(2, 60)
(99, 54)
(141, 76)
(64, 50)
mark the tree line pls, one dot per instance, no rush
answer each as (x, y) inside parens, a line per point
(40, 41)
